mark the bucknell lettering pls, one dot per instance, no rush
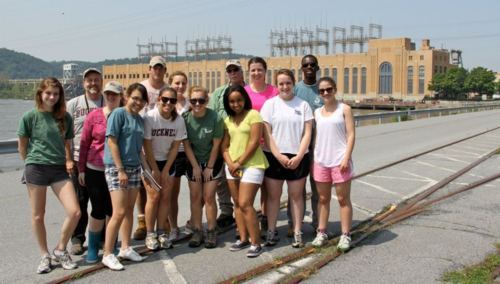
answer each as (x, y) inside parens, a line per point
(163, 132)
(82, 112)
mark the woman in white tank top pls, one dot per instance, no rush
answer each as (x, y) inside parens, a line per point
(334, 144)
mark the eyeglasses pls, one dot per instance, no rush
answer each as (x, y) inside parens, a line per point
(327, 90)
(312, 65)
(199, 101)
(167, 100)
(231, 70)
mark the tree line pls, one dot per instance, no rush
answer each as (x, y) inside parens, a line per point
(457, 83)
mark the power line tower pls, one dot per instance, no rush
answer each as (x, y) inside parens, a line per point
(162, 48)
(209, 47)
(298, 42)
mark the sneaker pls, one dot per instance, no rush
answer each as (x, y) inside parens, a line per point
(45, 265)
(152, 241)
(297, 240)
(174, 235)
(211, 239)
(112, 262)
(188, 228)
(64, 259)
(239, 245)
(254, 251)
(130, 254)
(344, 243)
(263, 223)
(196, 239)
(164, 241)
(272, 238)
(289, 231)
(320, 239)
(76, 246)
(225, 221)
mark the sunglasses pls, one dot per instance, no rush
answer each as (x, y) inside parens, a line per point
(231, 70)
(199, 101)
(327, 90)
(167, 100)
(313, 65)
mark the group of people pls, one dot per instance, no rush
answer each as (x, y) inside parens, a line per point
(125, 149)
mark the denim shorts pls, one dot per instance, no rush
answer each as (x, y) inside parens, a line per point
(44, 175)
(133, 174)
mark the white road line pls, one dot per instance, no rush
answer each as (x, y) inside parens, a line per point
(436, 167)
(420, 189)
(378, 187)
(398, 178)
(472, 148)
(415, 175)
(360, 208)
(449, 158)
(465, 152)
(174, 276)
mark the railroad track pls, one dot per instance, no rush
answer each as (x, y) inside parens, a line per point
(311, 259)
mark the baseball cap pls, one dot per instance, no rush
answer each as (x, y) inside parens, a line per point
(113, 86)
(91, 70)
(233, 62)
(155, 60)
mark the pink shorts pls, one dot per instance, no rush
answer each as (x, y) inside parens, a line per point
(331, 175)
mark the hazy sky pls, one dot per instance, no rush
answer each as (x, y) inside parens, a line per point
(94, 30)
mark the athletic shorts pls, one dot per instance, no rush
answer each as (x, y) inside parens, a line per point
(331, 175)
(133, 174)
(248, 175)
(277, 171)
(180, 165)
(216, 173)
(44, 175)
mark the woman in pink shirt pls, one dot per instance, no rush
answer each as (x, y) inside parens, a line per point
(91, 167)
(259, 91)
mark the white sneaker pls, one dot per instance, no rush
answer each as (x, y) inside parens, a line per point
(112, 262)
(344, 243)
(164, 241)
(174, 235)
(320, 239)
(45, 264)
(152, 241)
(130, 254)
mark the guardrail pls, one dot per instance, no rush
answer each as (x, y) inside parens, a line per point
(403, 115)
(10, 146)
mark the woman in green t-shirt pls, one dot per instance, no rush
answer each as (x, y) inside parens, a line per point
(205, 130)
(245, 165)
(45, 135)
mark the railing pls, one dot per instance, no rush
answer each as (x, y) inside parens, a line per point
(10, 146)
(398, 116)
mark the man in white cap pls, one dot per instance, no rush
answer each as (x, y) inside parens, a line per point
(235, 75)
(79, 107)
(154, 84)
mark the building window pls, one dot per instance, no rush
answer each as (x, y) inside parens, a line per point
(212, 86)
(207, 81)
(355, 80)
(334, 75)
(346, 80)
(421, 77)
(318, 73)
(218, 79)
(200, 81)
(421, 57)
(363, 80)
(410, 57)
(299, 78)
(385, 78)
(269, 77)
(326, 72)
(409, 79)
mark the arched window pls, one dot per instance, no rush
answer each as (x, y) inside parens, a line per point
(410, 80)
(269, 74)
(334, 75)
(326, 72)
(385, 78)
(354, 80)
(195, 78)
(346, 80)
(363, 80)
(421, 77)
(207, 80)
(212, 86)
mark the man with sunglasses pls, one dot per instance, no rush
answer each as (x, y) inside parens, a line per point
(153, 84)
(307, 89)
(235, 76)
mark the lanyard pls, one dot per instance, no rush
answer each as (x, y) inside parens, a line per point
(87, 102)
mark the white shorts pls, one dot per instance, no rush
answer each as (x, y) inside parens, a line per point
(248, 175)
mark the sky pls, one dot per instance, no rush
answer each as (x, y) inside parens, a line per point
(94, 30)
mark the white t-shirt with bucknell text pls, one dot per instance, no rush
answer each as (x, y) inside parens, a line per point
(287, 119)
(162, 132)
